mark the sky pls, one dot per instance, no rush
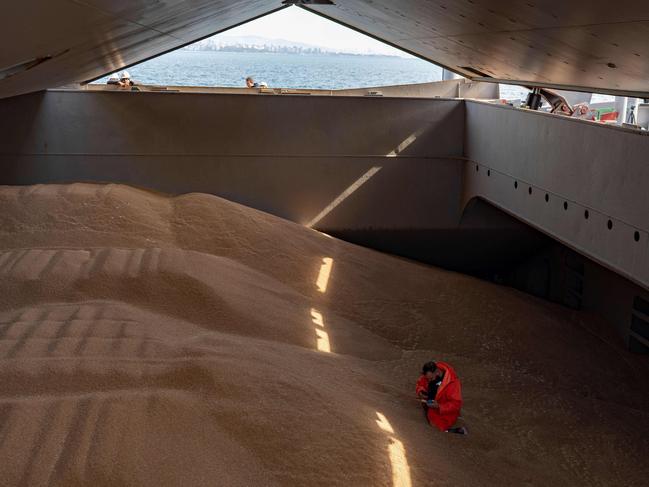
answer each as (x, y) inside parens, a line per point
(298, 25)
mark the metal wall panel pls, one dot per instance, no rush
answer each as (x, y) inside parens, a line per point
(580, 182)
(288, 155)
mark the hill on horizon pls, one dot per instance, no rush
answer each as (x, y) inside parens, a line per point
(267, 44)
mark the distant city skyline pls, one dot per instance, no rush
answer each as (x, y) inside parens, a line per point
(228, 43)
(297, 25)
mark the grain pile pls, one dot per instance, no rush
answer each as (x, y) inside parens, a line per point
(149, 340)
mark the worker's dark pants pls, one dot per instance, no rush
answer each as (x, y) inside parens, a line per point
(432, 390)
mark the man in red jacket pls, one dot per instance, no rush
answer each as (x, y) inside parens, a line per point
(440, 392)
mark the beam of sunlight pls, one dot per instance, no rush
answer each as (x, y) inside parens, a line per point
(396, 453)
(323, 275)
(322, 337)
(399, 462)
(322, 341)
(383, 423)
(344, 195)
(402, 146)
(317, 318)
(408, 141)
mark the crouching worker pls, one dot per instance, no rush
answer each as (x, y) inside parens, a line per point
(440, 392)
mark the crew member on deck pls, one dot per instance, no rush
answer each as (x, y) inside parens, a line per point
(125, 80)
(440, 392)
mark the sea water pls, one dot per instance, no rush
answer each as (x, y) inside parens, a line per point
(282, 70)
(288, 70)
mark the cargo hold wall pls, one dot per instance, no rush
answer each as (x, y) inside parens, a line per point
(460, 184)
(585, 185)
(288, 155)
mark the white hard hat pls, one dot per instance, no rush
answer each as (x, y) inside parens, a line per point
(124, 75)
(263, 84)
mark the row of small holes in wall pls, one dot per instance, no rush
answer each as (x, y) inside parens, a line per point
(609, 224)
